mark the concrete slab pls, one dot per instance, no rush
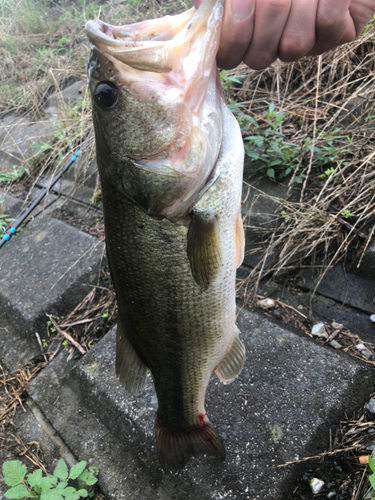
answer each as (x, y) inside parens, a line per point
(261, 210)
(11, 206)
(341, 286)
(17, 134)
(70, 189)
(84, 171)
(77, 209)
(15, 349)
(367, 265)
(48, 267)
(70, 94)
(280, 408)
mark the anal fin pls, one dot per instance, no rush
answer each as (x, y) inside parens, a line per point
(129, 368)
(203, 248)
(231, 366)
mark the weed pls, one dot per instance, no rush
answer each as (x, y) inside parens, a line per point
(285, 216)
(330, 171)
(50, 328)
(346, 214)
(278, 158)
(5, 220)
(55, 487)
(372, 476)
(227, 80)
(14, 174)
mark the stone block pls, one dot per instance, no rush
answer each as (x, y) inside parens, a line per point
(18, 134)
(69, 188)
(67, 96)
(280, 408)
(46, 268)
(341, 286)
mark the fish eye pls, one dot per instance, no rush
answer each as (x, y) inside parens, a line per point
(106, 95)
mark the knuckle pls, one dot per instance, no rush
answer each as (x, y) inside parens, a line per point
(277, 5)
(258, 63)
(328, 21)
(293, 47)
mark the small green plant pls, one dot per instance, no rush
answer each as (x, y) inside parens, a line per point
(227, 80)
(277, 157)
(286, 217)
(50, 327)
(55, 487)
(5, 220)
(14, 173)
(372, 476)
(346, 214)
(328, 172)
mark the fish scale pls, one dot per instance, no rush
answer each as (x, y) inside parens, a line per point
(171, 190)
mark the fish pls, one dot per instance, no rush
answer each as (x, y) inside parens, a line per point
(170, 159)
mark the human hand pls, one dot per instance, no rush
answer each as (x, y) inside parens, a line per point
(258, 32)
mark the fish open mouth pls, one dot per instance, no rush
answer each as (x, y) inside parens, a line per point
(146, 46)
(154, 45)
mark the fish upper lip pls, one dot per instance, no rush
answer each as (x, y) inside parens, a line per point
(101, 32)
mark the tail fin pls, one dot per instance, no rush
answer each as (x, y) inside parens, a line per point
(177, 447)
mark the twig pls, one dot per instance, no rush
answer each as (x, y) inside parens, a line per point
(67, 336)
(41, 346)
(325, 454)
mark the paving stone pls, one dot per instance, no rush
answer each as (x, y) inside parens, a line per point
(341, 286)
(11, 206)
(261, 208)
(15, 349)
(322, 308)
(281, 407)
(48, 267)
(76, 208)
(69, 189)
(367, 266)
(84, 172)
(70, 94)
(17, 134)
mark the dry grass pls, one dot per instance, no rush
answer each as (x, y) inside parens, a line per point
(324, 217)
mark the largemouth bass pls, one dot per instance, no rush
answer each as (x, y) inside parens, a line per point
(170, 159)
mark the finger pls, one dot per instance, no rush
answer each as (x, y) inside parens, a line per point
(334, 25)
(237, 31)
(196, 3)
(298, 37)
(361, 12)
(270, 19)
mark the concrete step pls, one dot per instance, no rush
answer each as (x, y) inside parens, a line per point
(18, 134)
(47, 268)
(289, 393)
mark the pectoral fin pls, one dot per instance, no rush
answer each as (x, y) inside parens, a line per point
(203, 248)
(129, 368)
(240, 240)
(232, 364)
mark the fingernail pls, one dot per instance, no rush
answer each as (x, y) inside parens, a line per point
(242, 9)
